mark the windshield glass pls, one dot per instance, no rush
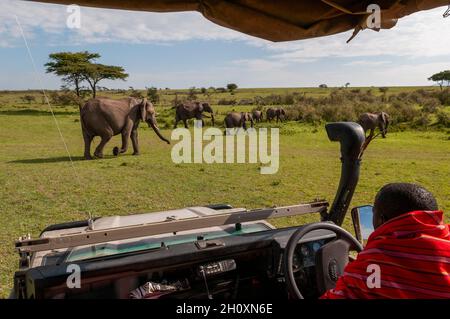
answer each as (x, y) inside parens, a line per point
(109, 249)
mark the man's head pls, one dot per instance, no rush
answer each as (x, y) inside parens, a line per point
(400, 198)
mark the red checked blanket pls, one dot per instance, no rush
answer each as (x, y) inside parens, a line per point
(411, 256)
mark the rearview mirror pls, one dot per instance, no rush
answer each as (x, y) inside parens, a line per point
(362, 217)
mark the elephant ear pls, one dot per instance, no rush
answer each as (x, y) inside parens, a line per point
(385, 117)
(143, 108)
(200, 107)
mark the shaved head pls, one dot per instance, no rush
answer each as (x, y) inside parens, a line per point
(400, 198)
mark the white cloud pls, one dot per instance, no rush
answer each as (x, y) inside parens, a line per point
(101, 25)
(261, 65)
(366, 63)
(421, 41)
(424, 34)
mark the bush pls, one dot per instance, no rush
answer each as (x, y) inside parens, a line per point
(246, 102)
(226, 102)
(422, 121)
(192, 94)
(136, 94)
(429, 104)
(401, 112)
(406, 108)
(277, 99)
(443, 118)
(308, 113)
(152, 94)
(28, 98)
(64, 98)
(444, 97)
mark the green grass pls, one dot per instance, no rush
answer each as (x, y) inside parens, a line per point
(39, 186)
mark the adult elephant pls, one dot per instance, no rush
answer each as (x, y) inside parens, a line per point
(278, 113)
(106, 117)
(238, 119)
(192, 110)
(370, 121)
(257, 116)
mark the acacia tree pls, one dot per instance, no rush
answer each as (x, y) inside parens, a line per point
(70, 66)
(95, 72)
(231, 87)
(76, 67)
(440, 78)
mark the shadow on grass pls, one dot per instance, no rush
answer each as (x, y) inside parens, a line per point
(48, 160)
(60, 159)
(38, 112)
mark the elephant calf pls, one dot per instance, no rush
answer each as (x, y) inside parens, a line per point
(106, 117)
(278, 113)
(192, 110)
(257, 116)
(236, 119)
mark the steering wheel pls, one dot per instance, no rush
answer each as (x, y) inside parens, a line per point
(330, 258)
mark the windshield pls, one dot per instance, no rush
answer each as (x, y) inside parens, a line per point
(109, 249)
(120, 129)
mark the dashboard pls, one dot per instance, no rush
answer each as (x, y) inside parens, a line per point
(305, 254)
(243, 266)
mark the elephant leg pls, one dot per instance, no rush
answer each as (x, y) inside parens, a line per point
(87, 145)
(99, 150)
(134, 140)
(371, 134)
(125, 138)
(177, 119)
(185, 123)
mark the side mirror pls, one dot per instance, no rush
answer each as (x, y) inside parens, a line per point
(362, 217)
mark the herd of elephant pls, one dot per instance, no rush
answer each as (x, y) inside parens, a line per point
(107, 117)
(196, 110)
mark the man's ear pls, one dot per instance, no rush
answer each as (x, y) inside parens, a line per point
(143, 108)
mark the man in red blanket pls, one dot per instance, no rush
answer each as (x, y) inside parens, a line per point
(408, 254)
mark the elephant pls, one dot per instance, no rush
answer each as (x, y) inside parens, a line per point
(236, 119)
(370, 121)
(106, 117)
(190, 110)
(278, 113)
(257, 116)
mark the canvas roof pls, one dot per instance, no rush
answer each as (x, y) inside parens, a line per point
(277, 20)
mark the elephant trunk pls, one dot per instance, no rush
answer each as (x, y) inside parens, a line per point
(212, 118)
(156, 129)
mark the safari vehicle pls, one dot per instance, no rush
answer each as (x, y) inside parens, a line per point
(217, 251)
(200, 252)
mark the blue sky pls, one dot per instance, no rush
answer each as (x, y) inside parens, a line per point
(180, 50)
